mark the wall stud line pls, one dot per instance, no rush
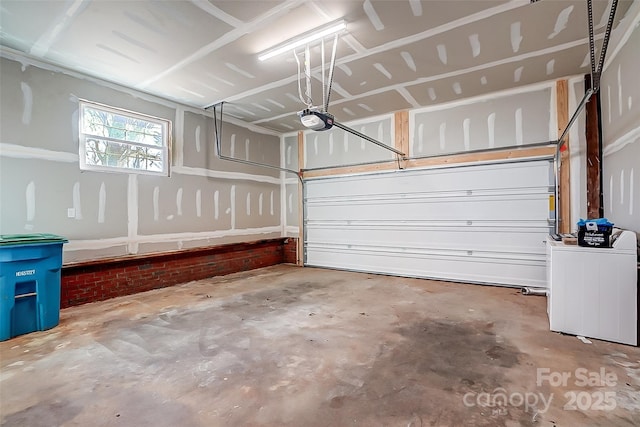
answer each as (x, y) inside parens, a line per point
(562, 110)
(300, 249)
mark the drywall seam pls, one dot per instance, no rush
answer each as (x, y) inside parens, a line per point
(132, 214)
(516, 36)
(634, 20)
(30, 200)
(49, 37)
(77, 204)
(291, 181)
(474, 41)
(84, 245)
(456, 73)
(620, 89)
(550, 66)
(372, 15)
(232, 197)
(178, 143)
(519, 126)
(478, 99)
(491, 129)
(408, 59)
(23, 59)
(271, 211)
(197, 136)
(442, 137)
(487, 13)
(320, 10)
(102, 203)
(156, 203)
(561, 22)
(633, 136)
(283, 187)
(538, 87)
(408, 97)
(292, 229)
(216, 204)
(229, 37)
(421, 80)
(217, 13)
(236, 176)
(466, 125)
(27, 103)
(21, 152)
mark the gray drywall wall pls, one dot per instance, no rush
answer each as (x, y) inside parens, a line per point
(495, 121)
(240, 143)
(498, 120)
(291, 206)
(336, 147)
(620, 107)
(204, 201)
(290, 157)
(36, 195)
(291, 151)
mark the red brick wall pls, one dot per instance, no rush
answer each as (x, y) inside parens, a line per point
(291, 251)
(104, 279)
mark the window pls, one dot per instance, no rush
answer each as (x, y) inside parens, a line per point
(112, 139)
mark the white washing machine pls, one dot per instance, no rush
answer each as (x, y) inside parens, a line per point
(593, 292)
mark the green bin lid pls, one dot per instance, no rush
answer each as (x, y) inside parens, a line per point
(28, 239)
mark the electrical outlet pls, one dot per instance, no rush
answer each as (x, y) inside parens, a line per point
(71, 213)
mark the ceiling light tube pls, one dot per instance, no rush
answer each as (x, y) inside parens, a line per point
(304, 39)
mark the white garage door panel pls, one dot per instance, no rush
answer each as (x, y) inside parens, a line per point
(471, 239)
(483, 223)
(416, 209)
(492, 178)
(455, 268)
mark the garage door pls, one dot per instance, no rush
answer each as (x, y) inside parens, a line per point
(478, 223)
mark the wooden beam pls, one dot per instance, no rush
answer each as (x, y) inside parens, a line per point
(300, 255)
(456, 159)
(594, 154)
(402, 132)
(564, 186)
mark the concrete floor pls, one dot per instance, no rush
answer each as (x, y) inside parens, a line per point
(287, 346)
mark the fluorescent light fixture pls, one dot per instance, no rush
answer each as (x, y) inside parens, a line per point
(304, 39)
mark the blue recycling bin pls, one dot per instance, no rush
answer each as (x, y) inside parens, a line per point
(30, 267)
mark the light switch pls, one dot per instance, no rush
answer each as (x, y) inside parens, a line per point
(71, 213)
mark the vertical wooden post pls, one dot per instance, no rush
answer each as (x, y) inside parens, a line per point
(564, 186)
(300, 256)
(401, 142)
(593, 134)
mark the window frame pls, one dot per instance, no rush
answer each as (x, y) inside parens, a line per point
(165, 124)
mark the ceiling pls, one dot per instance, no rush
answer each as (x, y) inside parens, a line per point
(394, 55)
